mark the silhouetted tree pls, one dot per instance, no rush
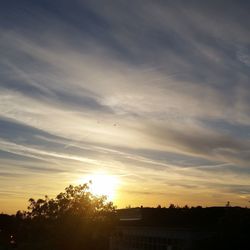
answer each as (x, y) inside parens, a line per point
(75, 201)
(172, 206)
(74, 219)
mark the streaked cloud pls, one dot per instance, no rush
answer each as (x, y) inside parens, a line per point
(154, 92)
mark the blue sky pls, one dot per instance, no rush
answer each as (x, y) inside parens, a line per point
(156, 93)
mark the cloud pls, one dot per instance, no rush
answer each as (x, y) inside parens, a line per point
(153, 89)
(243, 55)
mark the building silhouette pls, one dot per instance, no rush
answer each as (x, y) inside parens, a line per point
(150, 229)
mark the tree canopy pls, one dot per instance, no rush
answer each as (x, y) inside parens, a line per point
(74, 201)
(74, 219)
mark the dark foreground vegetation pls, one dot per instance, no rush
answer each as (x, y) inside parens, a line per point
(78, 220)
(75, 219)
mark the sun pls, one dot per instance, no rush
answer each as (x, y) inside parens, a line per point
(102, 184)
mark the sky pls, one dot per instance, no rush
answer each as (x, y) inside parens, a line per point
(153, 93)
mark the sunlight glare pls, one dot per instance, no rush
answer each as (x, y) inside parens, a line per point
(102, 184)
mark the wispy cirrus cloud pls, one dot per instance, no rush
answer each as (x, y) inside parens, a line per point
(148, 91)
